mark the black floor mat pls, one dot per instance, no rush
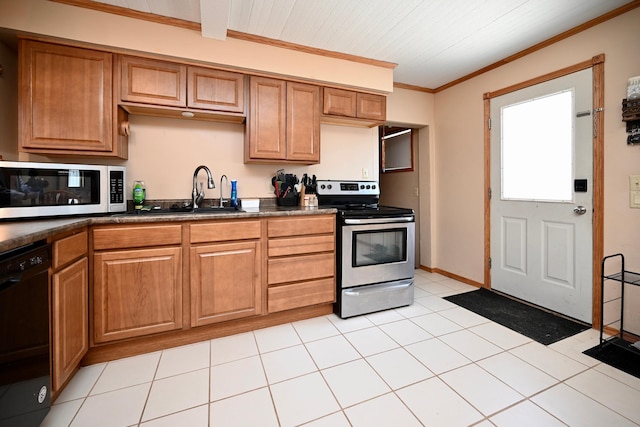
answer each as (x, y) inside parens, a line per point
(537, 324)
(620, 358)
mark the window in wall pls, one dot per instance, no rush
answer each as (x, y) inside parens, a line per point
(396, 149)
(537, 148)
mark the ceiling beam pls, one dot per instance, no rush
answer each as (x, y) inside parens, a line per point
(214, 18)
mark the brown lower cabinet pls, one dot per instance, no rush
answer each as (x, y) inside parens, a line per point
(158, 285)
(69, 307)
(137, 292)
(225, 266)
(137, 281)
(301, 261)
(70, 325)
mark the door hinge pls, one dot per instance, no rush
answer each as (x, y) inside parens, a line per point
(489, 263)
(489, 123)
(490, 193)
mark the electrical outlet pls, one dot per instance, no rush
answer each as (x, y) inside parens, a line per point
(365, 173)
(634, 191)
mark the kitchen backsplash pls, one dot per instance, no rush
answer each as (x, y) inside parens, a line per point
(165, 152)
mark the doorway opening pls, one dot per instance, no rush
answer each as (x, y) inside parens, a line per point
(400, 172)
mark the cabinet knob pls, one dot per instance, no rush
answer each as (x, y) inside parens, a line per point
(125, 129)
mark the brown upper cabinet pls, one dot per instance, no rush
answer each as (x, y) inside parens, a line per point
(349, 107)
(153, 82)
(66, 104)
(162, 88)
(283, 122)
(215, 90)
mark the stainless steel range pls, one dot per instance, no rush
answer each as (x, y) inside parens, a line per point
(375, 248)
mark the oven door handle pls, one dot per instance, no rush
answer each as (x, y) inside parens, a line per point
(400, 284)
(379, 220)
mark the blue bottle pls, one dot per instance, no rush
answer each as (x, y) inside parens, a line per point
(234, 193)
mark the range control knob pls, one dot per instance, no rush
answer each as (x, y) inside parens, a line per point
(362, 186)
(322, 186)
(329, 186)
(368, 186)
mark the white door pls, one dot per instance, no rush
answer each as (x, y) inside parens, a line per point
(541, 203)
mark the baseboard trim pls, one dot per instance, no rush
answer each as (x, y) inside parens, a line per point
(452, 276)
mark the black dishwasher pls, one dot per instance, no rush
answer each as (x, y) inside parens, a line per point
(25, 376)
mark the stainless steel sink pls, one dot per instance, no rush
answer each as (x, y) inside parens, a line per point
(185, 211)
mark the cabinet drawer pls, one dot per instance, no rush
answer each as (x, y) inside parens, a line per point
(301, 245)
(306, 267)
(136, 236)
(70, 248)
(296, 295)
(301, 225)
(224, 231)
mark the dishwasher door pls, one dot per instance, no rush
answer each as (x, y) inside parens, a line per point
(25, 378)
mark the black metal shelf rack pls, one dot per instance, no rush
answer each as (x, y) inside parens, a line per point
(623, 277)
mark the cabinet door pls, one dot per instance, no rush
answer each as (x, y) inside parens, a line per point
(266, 130)
(225, 282)
(339, 102)
(153, 82)
(136, 293)
(65, 100)
(70, 308)
(371, 106)
(215, 90)
(303, 122)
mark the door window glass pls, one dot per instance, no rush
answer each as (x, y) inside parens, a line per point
(537, 148)
(379, 247)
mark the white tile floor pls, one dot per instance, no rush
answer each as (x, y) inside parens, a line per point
(430, 364)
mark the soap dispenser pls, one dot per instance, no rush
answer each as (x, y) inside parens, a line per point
(234, 193)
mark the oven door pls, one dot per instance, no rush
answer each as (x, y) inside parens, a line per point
(376, 250)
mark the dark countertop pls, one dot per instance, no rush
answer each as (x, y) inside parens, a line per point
(18, 233)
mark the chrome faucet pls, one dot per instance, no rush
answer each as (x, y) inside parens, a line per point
(221, 198)
(198, 196)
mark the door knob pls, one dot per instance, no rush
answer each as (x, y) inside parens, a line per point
(580, 210)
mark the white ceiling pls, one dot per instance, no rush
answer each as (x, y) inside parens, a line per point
(434, 42)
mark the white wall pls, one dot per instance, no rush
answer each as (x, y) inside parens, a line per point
(459, 176)
(75, 23)
(165, 152)
(416, 109)
(459, 144)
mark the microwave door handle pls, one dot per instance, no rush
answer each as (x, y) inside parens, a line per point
(378, 220)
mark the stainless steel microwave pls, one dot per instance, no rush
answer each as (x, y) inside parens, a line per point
(29, 189)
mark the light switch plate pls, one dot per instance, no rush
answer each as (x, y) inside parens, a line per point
(634, 199)
(634, 182)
